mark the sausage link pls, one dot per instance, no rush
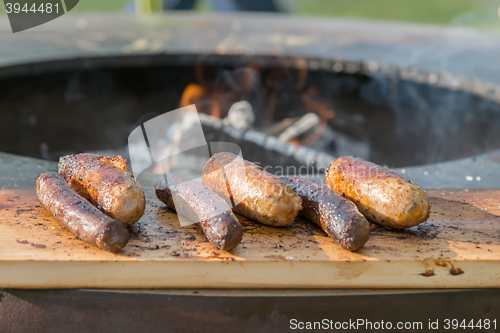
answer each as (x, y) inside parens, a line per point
(107, 183)
(198, 204)
(381, 195)
(337, 216)
(79, 216)
(250, 190)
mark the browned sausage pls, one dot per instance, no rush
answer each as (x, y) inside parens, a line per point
(198, 204)
(107, 183)
(79, 216)
(381, 195)
(250, 190)
(337, 216)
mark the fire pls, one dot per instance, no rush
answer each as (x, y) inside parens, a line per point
(192, 94)
(314, 101)
(263, 88)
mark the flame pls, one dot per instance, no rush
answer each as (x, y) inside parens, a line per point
(216, 105)
(229, 88)
(313, 101)
(192, 94)
(215, 97)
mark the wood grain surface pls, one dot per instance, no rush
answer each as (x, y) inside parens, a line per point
(458, 247)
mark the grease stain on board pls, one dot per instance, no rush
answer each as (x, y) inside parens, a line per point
(428, 272)
(453, 270)
(456, 271)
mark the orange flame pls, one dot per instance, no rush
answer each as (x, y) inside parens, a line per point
(313, 101)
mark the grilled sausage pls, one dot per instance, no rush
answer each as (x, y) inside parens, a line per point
(250, 190)
(198, 204)
(79, 216)
(107, 183)
(381, 195)
(337, 216)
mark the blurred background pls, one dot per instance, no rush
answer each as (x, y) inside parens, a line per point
(470, 13)
(411, 85)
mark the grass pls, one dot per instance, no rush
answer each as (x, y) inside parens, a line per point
(477, 13)
(426, 11)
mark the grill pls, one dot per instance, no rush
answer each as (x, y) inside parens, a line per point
(423, 101)
(425, 119)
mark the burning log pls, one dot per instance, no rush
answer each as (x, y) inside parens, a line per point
(305, 124)
(281, 126)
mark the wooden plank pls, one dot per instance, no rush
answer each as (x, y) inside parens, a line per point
(459, 247)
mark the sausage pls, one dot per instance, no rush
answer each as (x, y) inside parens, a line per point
(337, 216)
(381, 195)
(78, 215)
(107, 183)
(198, 204)
(250, 190)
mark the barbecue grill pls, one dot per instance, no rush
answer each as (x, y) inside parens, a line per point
(424, 101)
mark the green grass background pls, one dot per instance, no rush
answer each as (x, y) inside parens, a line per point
(475, 13)
(466, 12)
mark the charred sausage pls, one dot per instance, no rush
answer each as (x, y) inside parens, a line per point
(107, 183)
(381, 195)
(250, 190)
(337, 216)
(198, 204)
(78, 215)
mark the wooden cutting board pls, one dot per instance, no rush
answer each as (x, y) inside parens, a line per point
(459, 247)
